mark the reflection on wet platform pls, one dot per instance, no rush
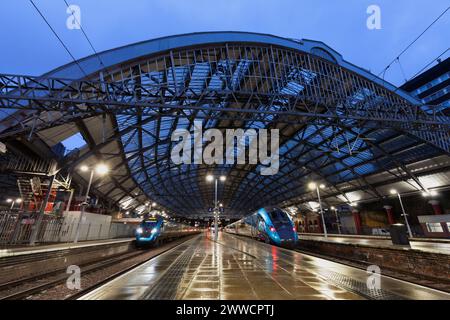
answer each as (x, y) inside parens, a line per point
(242, 268)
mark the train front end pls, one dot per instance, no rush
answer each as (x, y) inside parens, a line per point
(148, 231)
(280, 229)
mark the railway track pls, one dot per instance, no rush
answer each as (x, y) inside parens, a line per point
(54, 278)
(125, 270)
(34, 285)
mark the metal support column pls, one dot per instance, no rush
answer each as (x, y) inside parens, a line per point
(321, 213)
(405, 215)
(216, 213)
(38, 223)
(83, 206)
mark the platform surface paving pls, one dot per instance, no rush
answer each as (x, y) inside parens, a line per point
(242, 268)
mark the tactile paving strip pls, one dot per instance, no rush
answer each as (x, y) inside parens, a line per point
(358, 287)
(165, 288)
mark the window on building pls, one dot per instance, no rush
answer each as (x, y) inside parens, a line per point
(434, 227)
(432, 83)
(436, 95)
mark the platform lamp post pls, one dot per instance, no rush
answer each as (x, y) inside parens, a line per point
(314, 186)
(395, 192)
(10, 201)
(13, 202)
(120, 211)
(152, 205)
(101, 169)
(147, 211)
(338, 222)
(211, 178)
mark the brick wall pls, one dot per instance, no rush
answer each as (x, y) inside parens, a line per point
(413, 262)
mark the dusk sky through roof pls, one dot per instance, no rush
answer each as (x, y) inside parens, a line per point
(30, 48)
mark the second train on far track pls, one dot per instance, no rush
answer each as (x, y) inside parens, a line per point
(153, 231)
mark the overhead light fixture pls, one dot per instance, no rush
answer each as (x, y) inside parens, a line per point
(84, 168)
(2, 147)
(393, 191)
(431, 193)
(312, 186)
(209, 178)
(102, 169)
(223, 178)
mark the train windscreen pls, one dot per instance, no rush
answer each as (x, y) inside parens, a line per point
(278, 216)
(149, 224)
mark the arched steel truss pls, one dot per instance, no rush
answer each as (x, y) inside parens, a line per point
(336, 125)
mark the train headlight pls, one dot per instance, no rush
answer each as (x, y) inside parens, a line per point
(154, 230)
(272, 229)
(139, 230)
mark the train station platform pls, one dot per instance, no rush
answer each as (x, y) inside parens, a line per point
(21, 262)
(24, 250)
(240, 268)
(441, 246)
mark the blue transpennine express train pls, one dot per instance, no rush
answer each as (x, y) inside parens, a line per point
(155, 230)
(271, 225)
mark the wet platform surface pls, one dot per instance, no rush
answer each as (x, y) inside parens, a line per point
(437, 246)
(241, 268)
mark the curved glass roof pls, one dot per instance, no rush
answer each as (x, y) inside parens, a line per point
(254, 72)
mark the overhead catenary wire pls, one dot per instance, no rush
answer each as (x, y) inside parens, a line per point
(58, 37)
(430, 63)
(414, 41)
(402, 70)
(87, 37)
(421, 70)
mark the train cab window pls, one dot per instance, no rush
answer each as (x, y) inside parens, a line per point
(277, 215)
(261, 223)
(149, 224)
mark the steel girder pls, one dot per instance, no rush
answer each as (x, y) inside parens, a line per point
(230, 85)
(82, 99)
